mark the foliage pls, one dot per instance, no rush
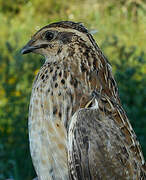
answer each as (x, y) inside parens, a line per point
(121, 35)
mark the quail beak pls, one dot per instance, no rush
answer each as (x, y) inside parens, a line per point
(30, 48)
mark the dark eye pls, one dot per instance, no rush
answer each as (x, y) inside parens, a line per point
(49, 35)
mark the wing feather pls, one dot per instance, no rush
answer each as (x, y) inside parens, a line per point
(98, 148)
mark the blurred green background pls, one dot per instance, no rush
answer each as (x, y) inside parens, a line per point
(121, 35)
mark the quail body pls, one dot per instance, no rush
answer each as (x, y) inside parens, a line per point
(77, 126)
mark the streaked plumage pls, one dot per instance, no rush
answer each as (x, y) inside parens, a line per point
(77, 127)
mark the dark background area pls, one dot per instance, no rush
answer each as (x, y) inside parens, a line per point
(121, 34)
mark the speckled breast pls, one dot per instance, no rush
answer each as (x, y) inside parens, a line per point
(51, 107)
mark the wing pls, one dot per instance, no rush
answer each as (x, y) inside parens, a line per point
(99, 148)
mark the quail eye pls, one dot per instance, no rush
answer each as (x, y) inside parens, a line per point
(49, 35)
